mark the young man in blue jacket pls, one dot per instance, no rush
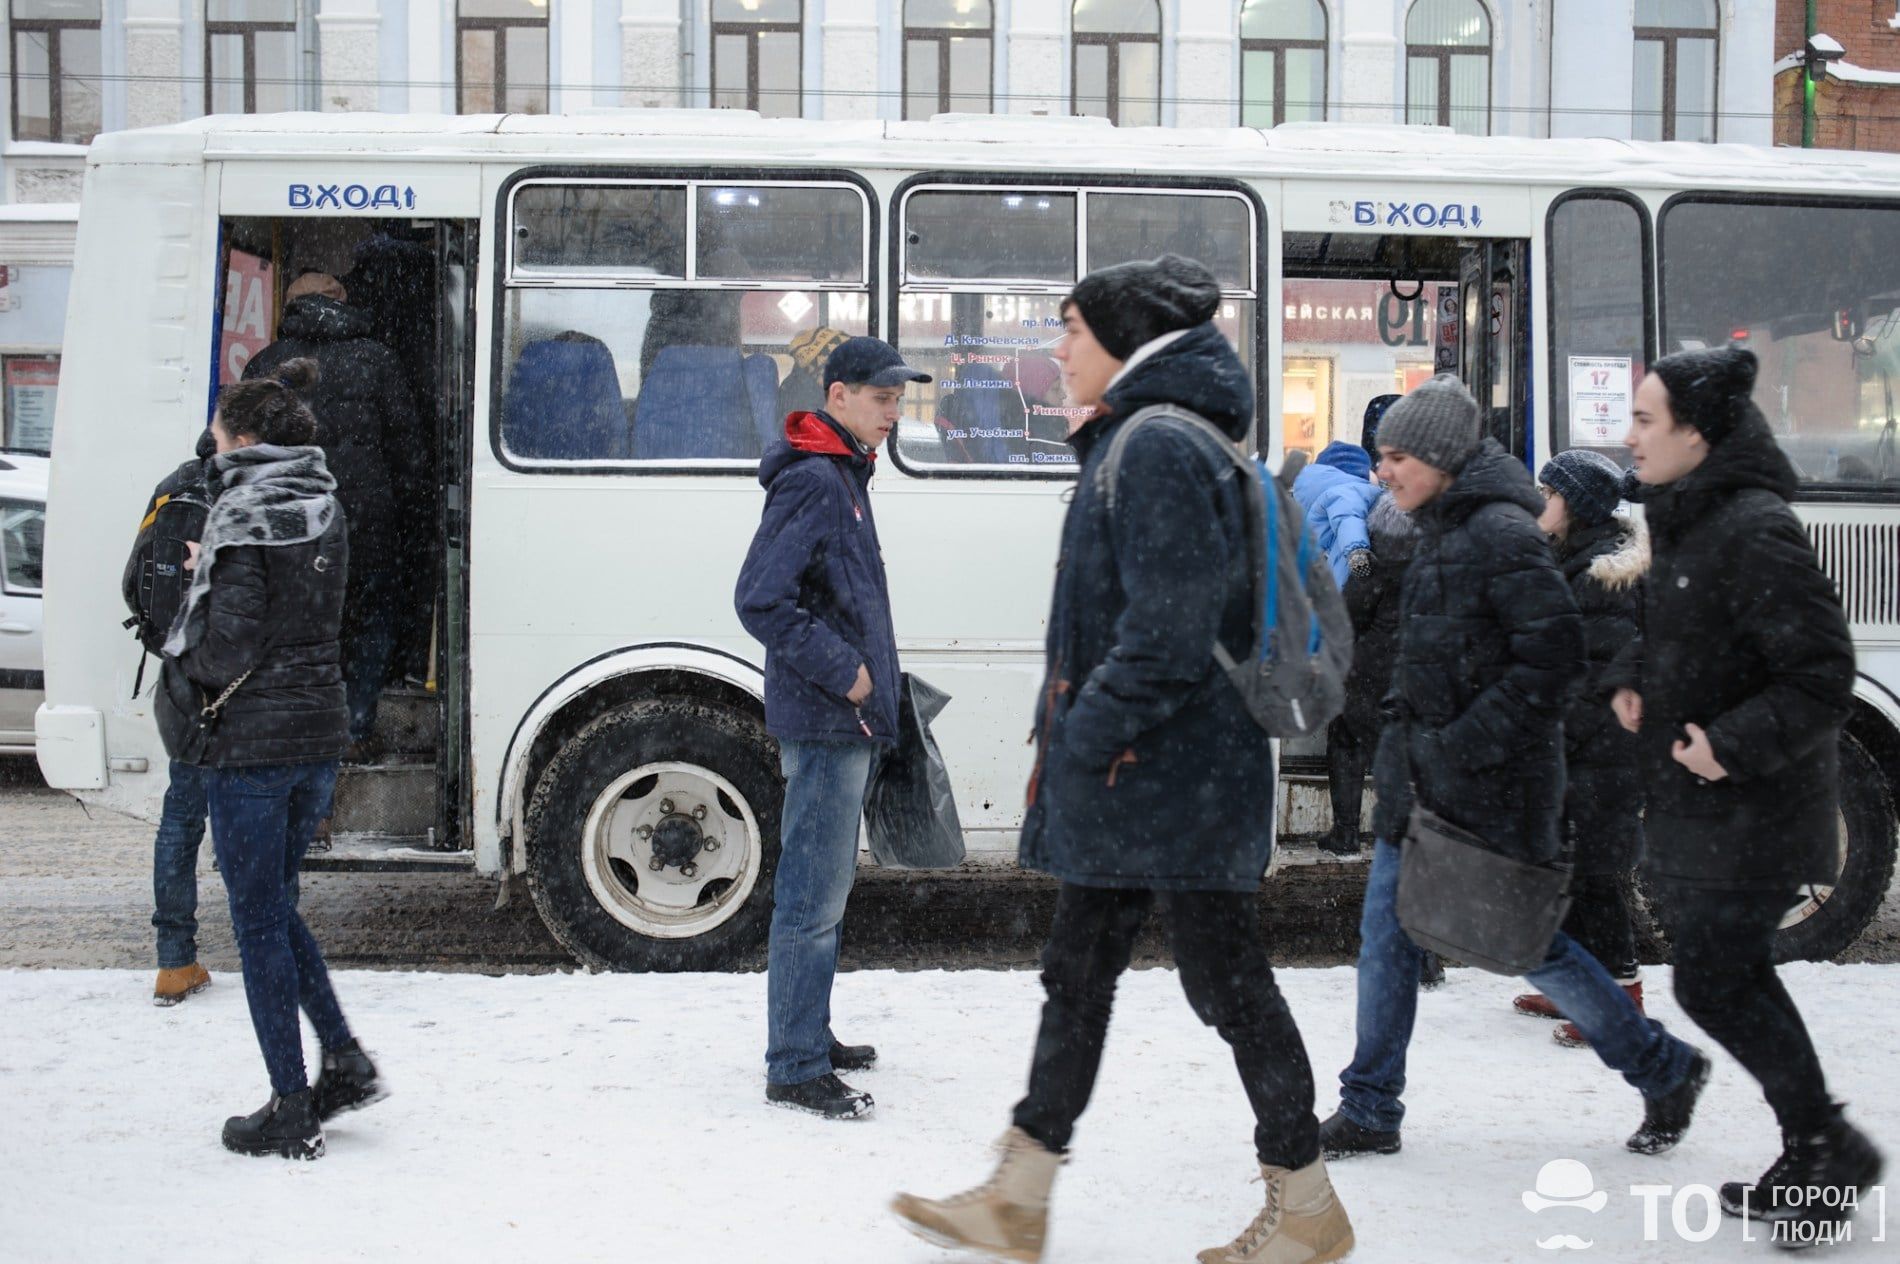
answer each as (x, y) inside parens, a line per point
(812, 591)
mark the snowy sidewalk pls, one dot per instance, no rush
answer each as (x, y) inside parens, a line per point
(620, 1118)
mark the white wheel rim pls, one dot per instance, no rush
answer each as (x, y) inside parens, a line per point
(618, 844)
(1813, 895)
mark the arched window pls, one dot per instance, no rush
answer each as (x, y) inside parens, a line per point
(1282, 62)
(501, 57)
(1448, 65)
(947, 57)
(1676, 63)
(1116, 71)
(758, 56)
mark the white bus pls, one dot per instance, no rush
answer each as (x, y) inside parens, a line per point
(605, 314)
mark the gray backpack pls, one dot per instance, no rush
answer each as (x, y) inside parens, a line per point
(1293, 677)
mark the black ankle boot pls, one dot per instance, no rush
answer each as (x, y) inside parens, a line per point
(1666, 1118)
(846, 1057)
(286, 1127)
(827, 1095)
(1811, 1191)
(1341, 1138)
(348, 1081)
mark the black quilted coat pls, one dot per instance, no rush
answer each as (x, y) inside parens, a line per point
(1490, 645)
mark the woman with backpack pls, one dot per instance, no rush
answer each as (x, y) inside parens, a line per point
(253, 695)
(1604, 557)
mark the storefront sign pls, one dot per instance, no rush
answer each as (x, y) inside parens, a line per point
(247, 300)
(32, 386)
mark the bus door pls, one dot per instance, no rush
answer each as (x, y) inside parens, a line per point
(1493, 338)
(455, 256)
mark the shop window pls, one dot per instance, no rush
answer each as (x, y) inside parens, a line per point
(758, 49)
(1677, 43)
(501, 57)
(1282, 62)
(1448, 65)
(947, 45)
(250, 56)
(1116, 61)
(56, 70)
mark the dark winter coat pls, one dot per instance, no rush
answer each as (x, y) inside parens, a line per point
(1372, 602)
(1490, 645)
(1603, 804)
(279, 610)
(1744, 636)
(812, 589)
(1149, 771)
(366, 420)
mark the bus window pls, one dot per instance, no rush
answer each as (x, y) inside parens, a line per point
(676, 322)
(984, 274)
(1600, 317)
(1813, 289)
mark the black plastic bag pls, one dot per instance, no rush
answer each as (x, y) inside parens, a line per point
(910, 812)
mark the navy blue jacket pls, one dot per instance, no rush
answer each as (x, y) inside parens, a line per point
(812, 589)
(1150, 772)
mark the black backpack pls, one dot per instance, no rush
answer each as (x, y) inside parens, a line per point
(1293, 677)
(155, 580)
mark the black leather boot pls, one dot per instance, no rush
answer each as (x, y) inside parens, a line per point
(286, 1127)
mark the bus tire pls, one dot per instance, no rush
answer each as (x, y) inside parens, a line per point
(653, 837)
(1830, 919)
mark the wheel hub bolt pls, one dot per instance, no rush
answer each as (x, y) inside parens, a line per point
(656, 864)
(666, 807)
(646, 831)
(711, 844)
(699, 813)
(689, 870)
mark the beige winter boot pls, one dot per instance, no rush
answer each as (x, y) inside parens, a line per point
(1302, 1222)
(1006, 1217)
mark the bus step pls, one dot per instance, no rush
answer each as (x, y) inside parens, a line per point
(408, 722)
(386, 852)
(390, 798)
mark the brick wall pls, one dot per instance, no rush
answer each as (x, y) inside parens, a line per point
(1847, 116)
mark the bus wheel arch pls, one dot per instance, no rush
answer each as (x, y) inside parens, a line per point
(651, 839)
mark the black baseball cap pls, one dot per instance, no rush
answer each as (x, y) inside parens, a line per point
(869, 362)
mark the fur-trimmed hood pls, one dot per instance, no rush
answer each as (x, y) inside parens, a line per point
(1394, 534)
(1615, 554)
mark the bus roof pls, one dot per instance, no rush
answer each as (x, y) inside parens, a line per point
(1016, 143)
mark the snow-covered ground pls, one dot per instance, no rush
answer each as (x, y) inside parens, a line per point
(621, 1118)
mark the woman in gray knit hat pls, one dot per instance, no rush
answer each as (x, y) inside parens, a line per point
(1490, 644)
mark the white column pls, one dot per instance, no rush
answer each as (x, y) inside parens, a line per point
(154, 62)
(573, 58)
(1746, 93)
(652, 53)
(1371, 50)
(347, 54)
(430, 91)
(1204, 65)
(849, 57)
(1593, 68)
(1038, 57)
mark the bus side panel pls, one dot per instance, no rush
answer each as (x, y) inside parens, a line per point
(133, 398)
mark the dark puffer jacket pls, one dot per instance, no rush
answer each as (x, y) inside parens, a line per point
(812, 589)
(1149, 772)
(1603, 805)
(1744, 636)
(1489, 648)
(366, 420)
(1372, 601)
(279, 610)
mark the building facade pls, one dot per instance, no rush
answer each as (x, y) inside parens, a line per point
(1857, 104)
(1662, 69)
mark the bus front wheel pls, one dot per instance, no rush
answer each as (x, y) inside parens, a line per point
(653, 837)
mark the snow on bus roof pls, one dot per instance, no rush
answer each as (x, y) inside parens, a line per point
(1388, 151)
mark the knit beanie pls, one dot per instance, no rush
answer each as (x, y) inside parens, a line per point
(1376, 409)
(1590, 483)
(1131, 304)
(1437, 423)
(1710, 389)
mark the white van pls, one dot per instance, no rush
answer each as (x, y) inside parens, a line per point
(22, 535)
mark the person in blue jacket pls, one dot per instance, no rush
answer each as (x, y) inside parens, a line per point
(812, 591)
(1337, 492)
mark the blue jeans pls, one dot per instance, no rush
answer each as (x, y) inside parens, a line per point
(1651, 1059)
(818, 858)
(175, 867)
(262, 820)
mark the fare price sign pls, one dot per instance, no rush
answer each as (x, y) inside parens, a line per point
(1601, 388)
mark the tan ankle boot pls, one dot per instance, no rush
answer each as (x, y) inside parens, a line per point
(1302, 1222)
(1006, 1217)
(176, 984)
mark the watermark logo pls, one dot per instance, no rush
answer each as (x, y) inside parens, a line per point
(1565, 1184)
(1566, 1191)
